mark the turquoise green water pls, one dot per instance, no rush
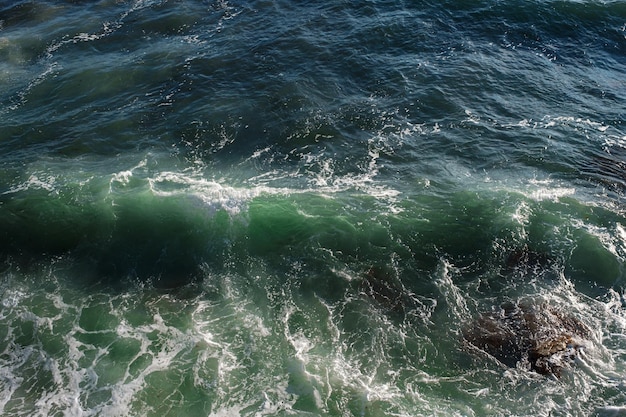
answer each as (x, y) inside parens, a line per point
(281, 208)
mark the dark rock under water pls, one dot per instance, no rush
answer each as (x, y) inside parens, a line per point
(537, 337)
(381, 286)
(527, 259)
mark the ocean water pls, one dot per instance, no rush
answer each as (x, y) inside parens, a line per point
(291, 208)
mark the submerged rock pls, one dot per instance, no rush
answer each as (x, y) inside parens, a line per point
(536, 337)
(382, 286)
(527, 259)
(385, 288)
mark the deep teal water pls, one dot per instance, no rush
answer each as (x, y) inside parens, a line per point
(246, 208)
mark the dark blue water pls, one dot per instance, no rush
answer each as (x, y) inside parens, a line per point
(223, 208)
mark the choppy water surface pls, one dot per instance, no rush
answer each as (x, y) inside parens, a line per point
(222, 208)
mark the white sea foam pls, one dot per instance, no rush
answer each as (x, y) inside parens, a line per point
(522, 217)
(123, 177)
(215, 193)
(549, 121)
(542, 190)
(35, 181)
(455, 298)
(210, 192)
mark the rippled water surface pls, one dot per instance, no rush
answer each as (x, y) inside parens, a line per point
(250, 208)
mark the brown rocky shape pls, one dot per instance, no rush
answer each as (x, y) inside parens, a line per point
(539, 337)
